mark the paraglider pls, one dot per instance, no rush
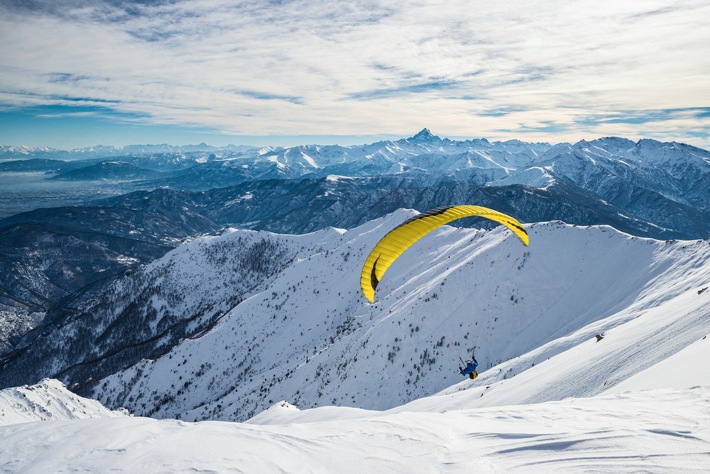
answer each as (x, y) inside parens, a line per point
(470, 369)
(394, 243)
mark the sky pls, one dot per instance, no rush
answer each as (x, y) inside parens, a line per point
(281, 72)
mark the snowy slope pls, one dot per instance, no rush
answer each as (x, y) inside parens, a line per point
(309, 337)
(146, 312)
(48, 400)
(683, 369)
(550, 397)
(663, 347)
(656, 431)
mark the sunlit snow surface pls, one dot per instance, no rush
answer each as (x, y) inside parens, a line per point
(652, 431)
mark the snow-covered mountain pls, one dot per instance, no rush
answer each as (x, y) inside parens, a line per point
(48, 400)
(60, 258)
(263, 326)
(675, 170)
(430, 160)
(551, 396)
(308, 338)
(223, 327)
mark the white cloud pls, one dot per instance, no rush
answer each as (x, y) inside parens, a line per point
(361, 67)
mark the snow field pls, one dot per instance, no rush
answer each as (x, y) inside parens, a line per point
(652, 431)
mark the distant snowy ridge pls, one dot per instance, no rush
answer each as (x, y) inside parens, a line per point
(48, 400)
(674, 169)
(104, 151)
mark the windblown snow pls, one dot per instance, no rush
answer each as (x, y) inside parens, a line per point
(308, 376)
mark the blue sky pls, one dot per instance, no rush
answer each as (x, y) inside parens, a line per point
(117, 72)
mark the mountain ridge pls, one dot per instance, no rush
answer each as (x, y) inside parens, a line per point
(302, 333)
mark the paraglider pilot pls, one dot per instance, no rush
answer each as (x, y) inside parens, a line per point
(470, 368)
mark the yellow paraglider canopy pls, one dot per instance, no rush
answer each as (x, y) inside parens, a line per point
(399, 239)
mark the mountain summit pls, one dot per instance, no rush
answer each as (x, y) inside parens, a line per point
(424, 135)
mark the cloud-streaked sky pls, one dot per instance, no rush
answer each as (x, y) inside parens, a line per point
(83, 72)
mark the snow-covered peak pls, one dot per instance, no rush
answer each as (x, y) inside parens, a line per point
(48, 400)
(424, 135)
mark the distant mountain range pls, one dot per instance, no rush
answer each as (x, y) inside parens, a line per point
(609, 167)
(102, 151)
